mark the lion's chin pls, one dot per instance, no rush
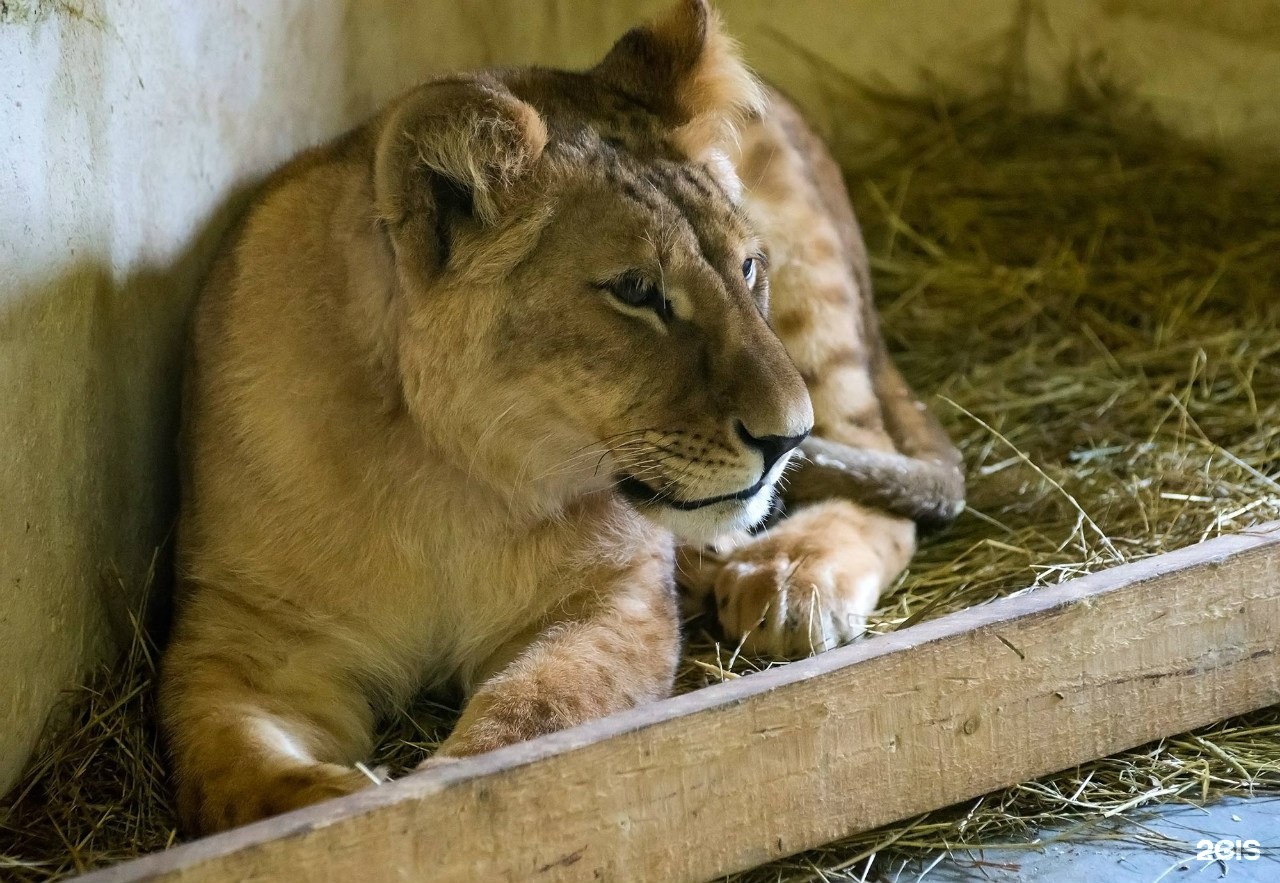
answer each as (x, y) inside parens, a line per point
(707, 523)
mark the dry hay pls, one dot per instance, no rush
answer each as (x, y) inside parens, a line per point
(1095, 303)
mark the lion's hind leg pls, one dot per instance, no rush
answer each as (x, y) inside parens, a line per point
(258, 722)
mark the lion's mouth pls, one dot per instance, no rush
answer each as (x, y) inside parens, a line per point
(638, 491)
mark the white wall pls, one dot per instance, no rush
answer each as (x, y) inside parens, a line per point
(128, 126)
(123, 129)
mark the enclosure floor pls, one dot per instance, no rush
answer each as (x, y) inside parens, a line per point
(1172, 833)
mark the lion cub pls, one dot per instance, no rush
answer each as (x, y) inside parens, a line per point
(459, 378)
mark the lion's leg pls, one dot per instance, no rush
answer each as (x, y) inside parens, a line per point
(260, 717)
(617, 652)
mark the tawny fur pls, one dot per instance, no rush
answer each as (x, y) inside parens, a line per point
(809, 583)
(417, 416)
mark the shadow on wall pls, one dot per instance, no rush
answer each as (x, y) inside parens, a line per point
(90, 370)
(124, 133)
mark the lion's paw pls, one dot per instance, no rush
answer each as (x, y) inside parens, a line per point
(811, 582)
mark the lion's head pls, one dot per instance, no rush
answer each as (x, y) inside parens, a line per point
(582, 303)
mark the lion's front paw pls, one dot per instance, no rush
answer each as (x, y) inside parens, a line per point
(793, 605)
(810, 584)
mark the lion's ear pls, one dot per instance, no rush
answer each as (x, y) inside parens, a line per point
(686, 69)
(447, 153)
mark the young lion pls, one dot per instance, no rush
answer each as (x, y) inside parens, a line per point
(459, 377)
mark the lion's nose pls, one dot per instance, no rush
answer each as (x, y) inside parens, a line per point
(771, 447)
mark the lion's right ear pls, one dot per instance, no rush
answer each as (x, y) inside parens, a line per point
(446, 154)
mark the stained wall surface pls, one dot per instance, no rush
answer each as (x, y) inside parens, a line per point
(130, 129)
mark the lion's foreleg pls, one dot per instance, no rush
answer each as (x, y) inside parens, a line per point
(617, 651)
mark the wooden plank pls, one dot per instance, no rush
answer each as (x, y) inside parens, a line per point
(741, 773)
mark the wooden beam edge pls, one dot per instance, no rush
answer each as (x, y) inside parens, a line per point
(422, 786)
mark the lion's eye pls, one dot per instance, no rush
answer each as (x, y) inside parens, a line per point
(635, 290)
(750, 270)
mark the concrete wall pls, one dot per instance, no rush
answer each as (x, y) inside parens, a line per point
(128, 127)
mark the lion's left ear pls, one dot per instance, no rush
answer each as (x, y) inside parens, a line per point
(685, 69)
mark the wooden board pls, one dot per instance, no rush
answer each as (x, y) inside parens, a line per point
(741, 773)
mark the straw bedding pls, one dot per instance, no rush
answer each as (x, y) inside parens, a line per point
(1096, 305)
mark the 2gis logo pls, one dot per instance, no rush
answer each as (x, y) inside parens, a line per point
(1228, 850)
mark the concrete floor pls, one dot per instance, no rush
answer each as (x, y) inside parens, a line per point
(1156, 845)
